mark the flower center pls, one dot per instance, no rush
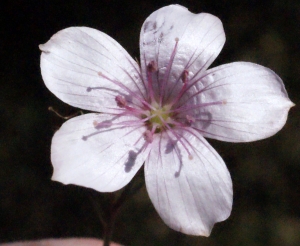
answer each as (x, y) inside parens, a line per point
(160, 118)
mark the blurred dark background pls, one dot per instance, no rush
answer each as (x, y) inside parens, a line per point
(265, 174)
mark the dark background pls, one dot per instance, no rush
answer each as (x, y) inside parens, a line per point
(265, 174)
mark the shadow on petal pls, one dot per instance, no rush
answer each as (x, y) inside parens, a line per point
(131, 161)
(204, 118)
(172, 147)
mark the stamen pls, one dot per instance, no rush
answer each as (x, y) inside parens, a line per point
(151, 68)
(190, 119)
(121, 101)
(125, 123)
(122, 86)
(123, 104)
(103, 124)
(208, 87)
(184, 76)
(167, 73)
(148, 136)
(200, 105)
(179, 138)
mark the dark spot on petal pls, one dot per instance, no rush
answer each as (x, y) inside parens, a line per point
(146, 26)
(160, 39)
(130, 161)
(150, 26)
(170, 146)
(177, 174)
(203, 119)
(154, 25)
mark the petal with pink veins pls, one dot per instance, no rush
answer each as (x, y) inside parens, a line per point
(244, 102)
(97, 151)
(88, 69)
(200, 39)
(190, 194)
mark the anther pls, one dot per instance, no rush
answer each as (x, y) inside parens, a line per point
(191, 157)
(152, 66)
(121, 101)
(176, 39)
(148, 136)
(95, 123)
(184, 76)
(190, 119)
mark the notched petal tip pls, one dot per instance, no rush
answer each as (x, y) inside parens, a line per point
(255, 107)
(43, 48)
(173, 35)
(70, 64)
(291, 105)
(288, 104)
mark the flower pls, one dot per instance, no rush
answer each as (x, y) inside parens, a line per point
(158, 113)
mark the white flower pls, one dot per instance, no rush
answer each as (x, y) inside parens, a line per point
(159, 113)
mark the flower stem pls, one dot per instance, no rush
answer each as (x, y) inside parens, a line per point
(115, 201)
(110, 221)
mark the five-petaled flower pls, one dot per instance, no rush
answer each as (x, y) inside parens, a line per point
(158, 113)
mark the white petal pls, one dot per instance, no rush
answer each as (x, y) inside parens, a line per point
(190, 195)
(201, 38)
(250, 103)
(72, 60)
(103, 158)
